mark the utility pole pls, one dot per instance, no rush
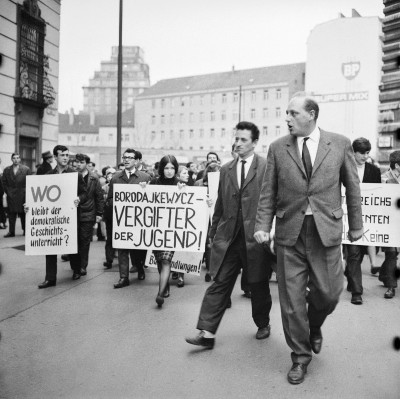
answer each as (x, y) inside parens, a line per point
(119, 100)
(240, 102)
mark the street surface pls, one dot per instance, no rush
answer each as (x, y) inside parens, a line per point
(84, 339)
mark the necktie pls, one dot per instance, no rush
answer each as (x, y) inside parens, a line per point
(306, 158)
(242, 178)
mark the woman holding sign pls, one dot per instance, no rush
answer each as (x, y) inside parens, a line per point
(168, 170)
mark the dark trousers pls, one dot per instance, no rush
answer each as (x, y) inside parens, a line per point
(12, 216)
(109, 250)
(218, 293)
(354, 258)
(307, 263)
(85, 232)
(387, 272)
(51, 265)
(137, 256)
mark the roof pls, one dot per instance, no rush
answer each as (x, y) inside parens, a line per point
(81, 123)
(232, 79)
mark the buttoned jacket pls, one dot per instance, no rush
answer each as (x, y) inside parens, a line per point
(15, 187)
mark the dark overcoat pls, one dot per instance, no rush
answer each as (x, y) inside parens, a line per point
(222, 231)
(15, 187)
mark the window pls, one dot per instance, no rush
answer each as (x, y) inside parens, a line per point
(171, 134)
(235, 97)
(181, 134)
(201, 100)
(265, 112)
(201, 116)
(201, 134)
(162, 103)
(191, 117)
(162, 135)
(223, 116)
(110, 137)
(172, 118)
(153, 103)
(69, 138)
(222, 132)
(183, 99)
(277, 130)
(162, 119)
(252, 113)
(181, 118)
(212, 99)
(235, 115)
(153, 135)
(126, 137)
(223, 99)
(190, 100)
(212, 133)
(266, 95)
(212, 116)
(191, 133)
(153, 119)
(253, 96)
(278, 112)
(278, 94)
(172, 102)
(265, 130)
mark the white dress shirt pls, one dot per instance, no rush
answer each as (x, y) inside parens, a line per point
(312, 145)
(247, 165)
(361, 171)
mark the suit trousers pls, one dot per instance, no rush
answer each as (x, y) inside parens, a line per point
(85, 234)
(51, 265)
(108, 247)
(219, 292)
(12, 216)
(354, 257)
(307, 263)
(137, 258)
(387, 273)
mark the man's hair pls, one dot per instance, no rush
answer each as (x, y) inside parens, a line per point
(139, 155)
(157, 165)
(214, 153)
(104, 170)
(255, 133)
(82, 157)
(361, 145)
(14, 153)
(166, 159)
(93, 164)
(309, 103)
(394, 158)
(132, 151)
(189, 164)
(59, 147)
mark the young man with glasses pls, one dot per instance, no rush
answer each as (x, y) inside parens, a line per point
(130, 175)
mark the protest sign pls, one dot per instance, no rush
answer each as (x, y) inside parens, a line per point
(213, 184)
(160, 217)
(381, 217)
(182, 262)
(51, 222)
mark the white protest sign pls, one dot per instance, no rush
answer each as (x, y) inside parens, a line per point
(160, 217)
(381, 217)
(51, 222)
(182, 262)
(213, 184)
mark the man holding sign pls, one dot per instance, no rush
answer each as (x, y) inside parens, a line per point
(61, 155)
(233, 244)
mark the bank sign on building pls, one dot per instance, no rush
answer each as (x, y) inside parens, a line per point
(344, 61)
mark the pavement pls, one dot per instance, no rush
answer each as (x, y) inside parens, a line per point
(84, 339)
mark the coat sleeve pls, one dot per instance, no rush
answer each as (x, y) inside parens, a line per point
(267, 202)
(99, 199)
(82, 191)
(218, 211)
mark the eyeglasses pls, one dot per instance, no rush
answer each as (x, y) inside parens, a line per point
(128, 158)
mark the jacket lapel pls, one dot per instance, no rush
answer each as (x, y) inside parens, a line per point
(232, 173)
(323, 149)
(252, 171)
(293, 151)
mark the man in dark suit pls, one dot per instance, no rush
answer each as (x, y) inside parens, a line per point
(14, 184)
(130, 175)
(45, 166)
(233, 245)
(302, 188)
(61, 155)
(354, 254)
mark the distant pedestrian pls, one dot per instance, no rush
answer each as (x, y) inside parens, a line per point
(45, 166)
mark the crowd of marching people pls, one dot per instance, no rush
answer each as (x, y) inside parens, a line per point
(281, 214)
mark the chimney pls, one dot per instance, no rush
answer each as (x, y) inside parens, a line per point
(354, 13)
(92, 117)
(340, 15)
(71, 116)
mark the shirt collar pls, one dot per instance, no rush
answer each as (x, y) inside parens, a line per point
(314, 135)
(248, 160)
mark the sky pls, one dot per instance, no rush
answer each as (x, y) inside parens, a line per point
(190, 37)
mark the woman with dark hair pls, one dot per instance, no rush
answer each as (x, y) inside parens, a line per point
(168, 170)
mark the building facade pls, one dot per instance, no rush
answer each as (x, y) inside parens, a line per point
(389, 108)
(29, 36)
(190, 116)
(100, 96)
(344, 61)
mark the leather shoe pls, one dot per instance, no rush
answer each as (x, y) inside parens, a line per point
(175, 275)
(47, 283)
(76, 276)
(9, 235)
(133, 269)
(65, 258)
(83, 272)
(123, 282)
(263, 332)
(390, 293)
(229, 305)
(181, 282)
(107, 265)
(316, 343)
(199, 340)
(356, 299)
(141, 275)
(207, 277)
(160, 300)
(297, 373)
(247, 294)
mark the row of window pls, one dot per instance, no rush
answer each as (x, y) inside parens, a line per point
(213, 98)
(211, 133)
(212, 117)
(264, 148)
(82, 138)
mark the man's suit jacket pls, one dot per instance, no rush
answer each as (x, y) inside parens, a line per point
(15, 187)
(286, 191)
(223, 230)
(372, 174)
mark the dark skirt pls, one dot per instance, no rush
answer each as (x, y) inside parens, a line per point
(163, 255)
